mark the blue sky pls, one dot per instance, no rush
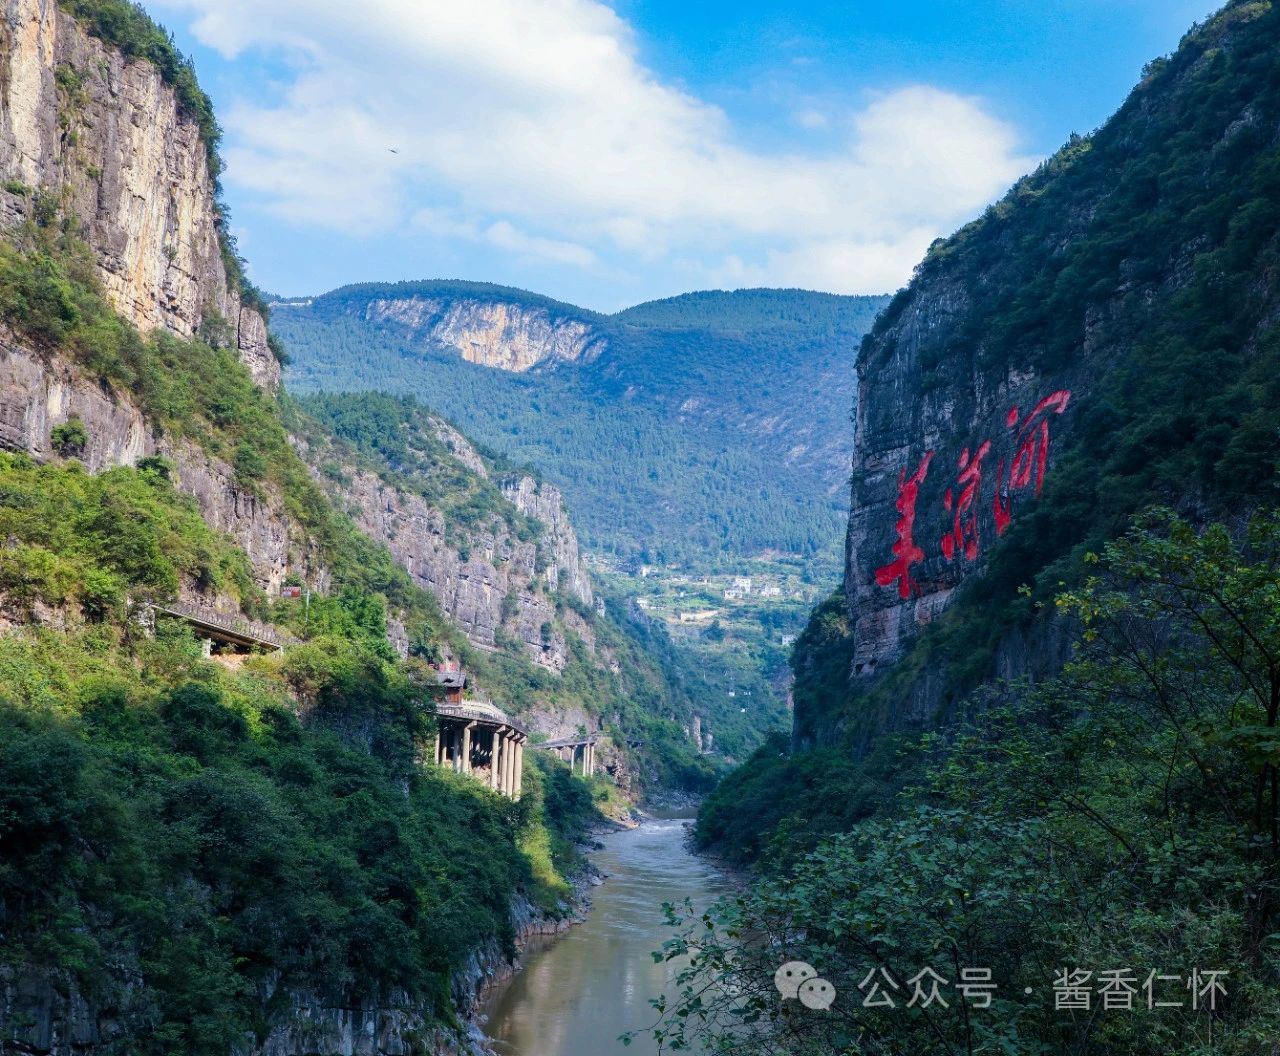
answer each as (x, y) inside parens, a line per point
(606, 155)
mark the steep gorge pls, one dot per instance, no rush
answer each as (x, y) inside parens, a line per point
(1035, 726)
(270, 812)
(1103, 338)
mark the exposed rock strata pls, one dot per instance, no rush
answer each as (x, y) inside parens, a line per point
(105, 139)
(1024, 334)
(39, 391)
(493, 333)
(495, 582)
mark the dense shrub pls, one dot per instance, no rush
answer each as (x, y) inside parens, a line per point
(1123, 818)
(69, 438)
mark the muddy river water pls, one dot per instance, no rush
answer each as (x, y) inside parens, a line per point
(579, 992)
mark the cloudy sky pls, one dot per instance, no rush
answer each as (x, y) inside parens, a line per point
(606, 155)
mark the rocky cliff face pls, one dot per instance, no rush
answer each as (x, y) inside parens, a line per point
(544, 503)
(39, 391)
(489, 581)
(103, 139)
(1042, 377)
(511, 337)
(945, 458)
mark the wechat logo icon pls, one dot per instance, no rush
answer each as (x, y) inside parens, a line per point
(797, 980)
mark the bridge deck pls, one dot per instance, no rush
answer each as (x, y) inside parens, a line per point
(568, 742)
(225, 627)
(482, 715)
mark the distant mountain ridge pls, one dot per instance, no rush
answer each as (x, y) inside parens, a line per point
(697, 428)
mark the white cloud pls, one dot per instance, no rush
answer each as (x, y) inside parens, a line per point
(503, 235)
(532, 125)
(444, 223)
(811, 119)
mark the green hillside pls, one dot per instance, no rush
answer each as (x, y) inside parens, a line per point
(191, 844)
(177, 831)
(712, 427)
(1123, 810)
(657, 687)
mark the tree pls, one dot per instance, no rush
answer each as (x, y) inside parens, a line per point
(70, 438)
(1122, 815)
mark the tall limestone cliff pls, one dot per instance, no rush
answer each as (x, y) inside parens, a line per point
(494, 546)
(104, 139)
(104, 142)
(1104, 338)
(103, 145)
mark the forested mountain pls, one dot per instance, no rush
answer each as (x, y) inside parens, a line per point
(241, 847)
(699, 429)
(1036, 731)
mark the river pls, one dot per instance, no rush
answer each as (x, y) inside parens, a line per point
(581, 990)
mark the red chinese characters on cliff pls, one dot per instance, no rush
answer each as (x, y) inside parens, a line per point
(905, 551)
(1032, 455)
(1030, 459)
(963, 537)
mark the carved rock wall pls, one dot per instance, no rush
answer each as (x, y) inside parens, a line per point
(1012, 342)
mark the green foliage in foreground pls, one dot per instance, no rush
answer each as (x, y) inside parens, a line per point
(179, 838)
(90, 540)
(1123, 816)
(196, 836)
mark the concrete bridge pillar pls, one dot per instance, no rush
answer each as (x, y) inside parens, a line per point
(464, 758)
(519, 764)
